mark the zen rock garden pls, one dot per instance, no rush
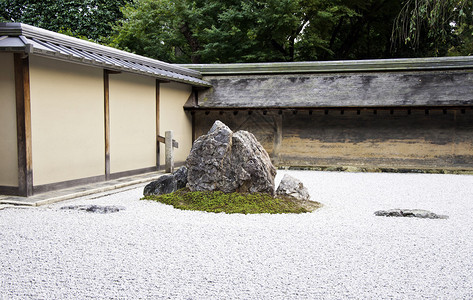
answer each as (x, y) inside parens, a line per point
(229, 162)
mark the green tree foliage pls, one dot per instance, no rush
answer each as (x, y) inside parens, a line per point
(226, 31)
(91, 19)
(219, 31)
(351, 29)
(464, 32)
(434, 27)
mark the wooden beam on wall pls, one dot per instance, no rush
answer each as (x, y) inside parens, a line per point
(193, 120)
(193, 101)
(23, 125)
(106, 98)
(277, 138)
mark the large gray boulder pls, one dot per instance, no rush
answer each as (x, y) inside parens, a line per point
(293, 187)
(229, 162)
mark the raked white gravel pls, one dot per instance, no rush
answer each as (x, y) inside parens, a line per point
(342, 251)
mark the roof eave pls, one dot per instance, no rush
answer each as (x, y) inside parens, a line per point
(28, 39)
(18, 29)
(400, 64)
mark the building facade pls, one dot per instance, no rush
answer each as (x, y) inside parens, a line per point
(393, 114)
(74, 112)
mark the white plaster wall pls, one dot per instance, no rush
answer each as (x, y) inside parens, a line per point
(132, 122)
(8, 139)
(173, 96)
(67, 121)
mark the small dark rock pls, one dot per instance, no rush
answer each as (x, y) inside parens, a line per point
(164, 185)
(181, 177)
(95, 208)
(409, 213)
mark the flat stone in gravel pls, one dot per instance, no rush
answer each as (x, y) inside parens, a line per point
(95, 208)
(409, 213)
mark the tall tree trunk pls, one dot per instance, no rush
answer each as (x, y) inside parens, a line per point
(358, 27)
(193, 43)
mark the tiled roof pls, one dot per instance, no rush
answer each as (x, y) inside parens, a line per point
(17, 37)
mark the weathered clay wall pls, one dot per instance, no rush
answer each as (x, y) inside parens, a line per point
(365, 89)
(366, 138)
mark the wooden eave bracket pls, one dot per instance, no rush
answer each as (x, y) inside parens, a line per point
(28, 46)
(111, 72)
(192, 101)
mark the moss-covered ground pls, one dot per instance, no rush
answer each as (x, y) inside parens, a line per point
(231, 203)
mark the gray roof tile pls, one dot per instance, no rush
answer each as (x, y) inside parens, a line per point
(16, 37)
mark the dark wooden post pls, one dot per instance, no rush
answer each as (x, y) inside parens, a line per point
(106, 96)
(193, 120)
(23, 125)
(277, 138)
(194, 101)
(158, 94)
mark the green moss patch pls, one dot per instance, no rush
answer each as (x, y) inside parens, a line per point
(232, 203)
